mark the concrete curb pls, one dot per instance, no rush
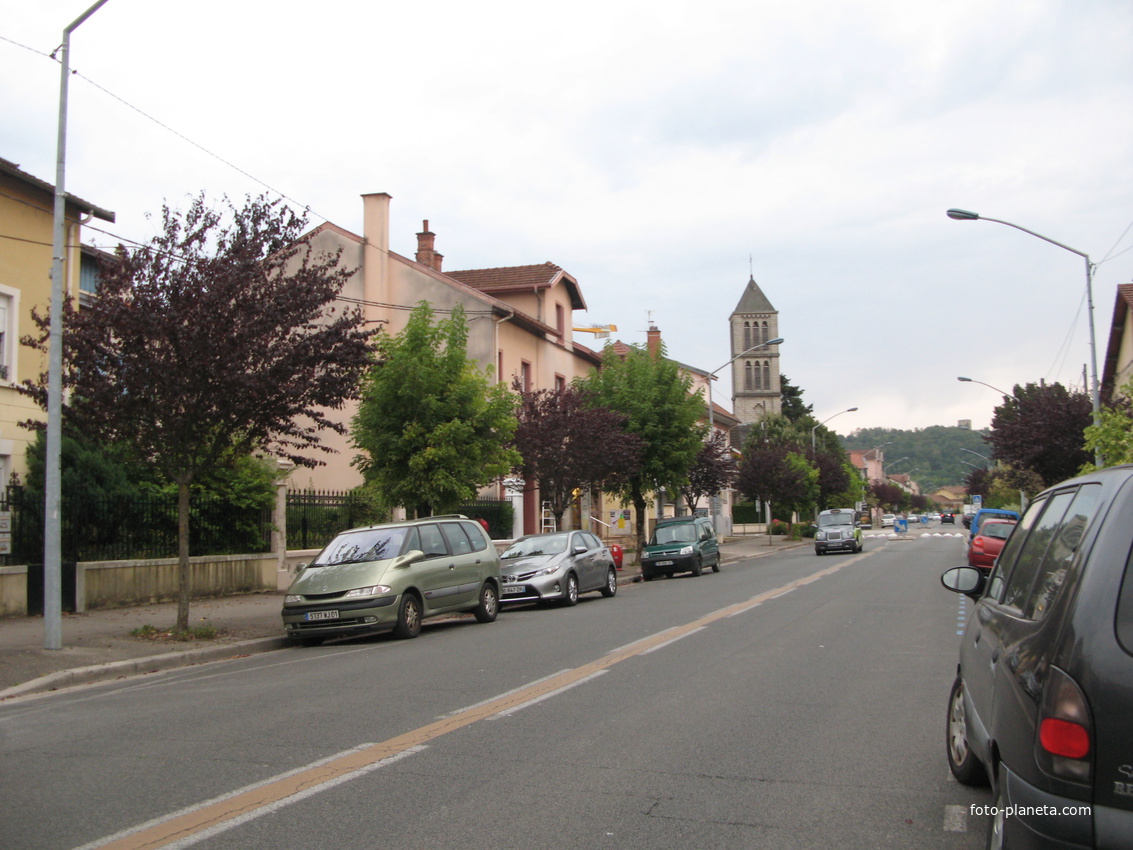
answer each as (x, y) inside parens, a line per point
(139, 666)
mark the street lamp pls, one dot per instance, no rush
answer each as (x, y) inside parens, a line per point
(712, 419)
(966, 215)
(989, 386)
(52, 475)
(885, 470)
(977, 454)
(813, 448)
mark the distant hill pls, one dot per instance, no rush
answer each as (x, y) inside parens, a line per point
(934, 452)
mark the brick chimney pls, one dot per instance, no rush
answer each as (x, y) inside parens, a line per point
(426, 256)
(653, 340)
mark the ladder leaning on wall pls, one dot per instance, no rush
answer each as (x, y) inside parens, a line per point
(548, 518)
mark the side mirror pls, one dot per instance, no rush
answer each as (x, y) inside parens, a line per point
(967, 580)
(300, 568)
(409, 558)
(579, 550)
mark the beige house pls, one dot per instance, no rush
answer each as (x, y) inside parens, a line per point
(1118, 367)
(26, 234)
(520, 323)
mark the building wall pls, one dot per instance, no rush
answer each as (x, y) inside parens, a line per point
(25, 284)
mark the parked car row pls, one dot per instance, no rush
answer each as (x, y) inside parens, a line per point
(392, 577)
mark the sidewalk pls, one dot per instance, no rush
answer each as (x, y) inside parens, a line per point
(97, 645)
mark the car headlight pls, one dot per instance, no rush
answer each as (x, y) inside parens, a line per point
(687, 550)
(372, 590)
(820, 535)
(292, 598)
(547, 571)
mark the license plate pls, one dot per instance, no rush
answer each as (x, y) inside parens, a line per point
(514, 590)
(321, 615)
(662, 563)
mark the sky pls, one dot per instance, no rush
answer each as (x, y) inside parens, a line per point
(660, 152)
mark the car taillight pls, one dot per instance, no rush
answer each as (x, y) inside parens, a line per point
(1064, 744)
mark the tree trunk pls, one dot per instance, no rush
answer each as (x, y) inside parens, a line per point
(183, 583)
(639, 509)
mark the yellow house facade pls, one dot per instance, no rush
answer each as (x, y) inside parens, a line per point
(26, 231)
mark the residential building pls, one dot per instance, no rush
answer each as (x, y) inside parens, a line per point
(1118, 367)
(520, 324)
(26, 234)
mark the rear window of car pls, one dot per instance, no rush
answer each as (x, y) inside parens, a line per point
(998, 530)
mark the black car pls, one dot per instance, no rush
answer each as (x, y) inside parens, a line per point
(947, 517)
(1043, 696)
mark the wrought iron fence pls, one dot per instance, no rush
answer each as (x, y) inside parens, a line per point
(129, 526)
(314, 517)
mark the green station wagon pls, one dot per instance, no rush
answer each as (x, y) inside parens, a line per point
(393, 576)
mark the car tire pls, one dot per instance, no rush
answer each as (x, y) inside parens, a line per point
(570, 592)
(697, 566)
(961, 760)
(716, 564)
(408, 617)
(646, 575)
(611, 586)
(818, 551)
(488, 608)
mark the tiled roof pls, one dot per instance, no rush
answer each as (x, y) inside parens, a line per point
(12, 169)
(511, 279)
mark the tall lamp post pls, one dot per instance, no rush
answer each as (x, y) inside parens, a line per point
(813, 445)
(989, 386)
(52, 479)
(712, 419)
(967, 215)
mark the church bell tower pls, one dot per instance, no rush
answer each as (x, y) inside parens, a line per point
(755, 373)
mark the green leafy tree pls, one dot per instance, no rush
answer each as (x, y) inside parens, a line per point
(217, 338)
(656, 399)
(432, 428)
(1112, 436)
(773, 472)
(791, 401)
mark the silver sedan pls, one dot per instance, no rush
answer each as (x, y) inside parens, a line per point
(556, 566)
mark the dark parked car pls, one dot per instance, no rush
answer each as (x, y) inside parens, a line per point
(1043, 696)
(947, 517)
(684, 544)
(985, 547)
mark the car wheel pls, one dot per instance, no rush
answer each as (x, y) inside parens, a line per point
(961, 761)
(570, 592)
(646, 575)
(611, 585)
(489, 605)
(817, 551)
(697, 567)
(408, 617)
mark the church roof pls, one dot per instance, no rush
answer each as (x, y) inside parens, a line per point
(753, 300)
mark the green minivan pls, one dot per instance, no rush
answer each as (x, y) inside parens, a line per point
(393, 576)
(685, 544)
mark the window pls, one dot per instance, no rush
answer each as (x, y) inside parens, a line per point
(432, 542)
(560, 320)
(1042, 560)
(458, 541)
(747, 336)
(525, 376)
(560, 383)
(8, 335)
(766, 375)
(749, 382)
(765, 336)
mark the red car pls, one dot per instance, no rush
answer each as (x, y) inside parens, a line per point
(984, 547)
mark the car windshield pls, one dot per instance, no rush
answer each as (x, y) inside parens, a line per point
(835, 519)
(684, 532)
(998, 530)
(540, 544)
(368, 544)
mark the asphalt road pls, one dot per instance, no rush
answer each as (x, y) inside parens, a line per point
(787, 702)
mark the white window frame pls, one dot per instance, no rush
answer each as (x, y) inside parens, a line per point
(10, 346)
